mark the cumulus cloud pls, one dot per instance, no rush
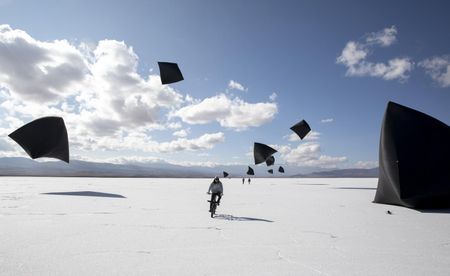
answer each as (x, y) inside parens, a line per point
(311, 136)
(181, 133)
(233, 113)
(384, 38)
(96, 88)
(39, 71)
(309, 155)
(438, 68)
(354, 57)
(327, 120)
(236, 85)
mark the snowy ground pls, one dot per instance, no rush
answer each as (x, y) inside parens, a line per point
(162, 227)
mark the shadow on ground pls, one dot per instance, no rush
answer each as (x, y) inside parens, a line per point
(354, 188)
(435, 211)
(311, 184)
(231, 217)
(85, 193)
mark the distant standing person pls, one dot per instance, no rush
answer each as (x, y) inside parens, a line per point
(249, 180)
(243, 180)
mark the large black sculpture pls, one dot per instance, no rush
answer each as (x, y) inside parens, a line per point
(414, 159)
(250, 171)
(301, 128)
(261, 152)
(44, 137)
(270, 161)
(169, 72)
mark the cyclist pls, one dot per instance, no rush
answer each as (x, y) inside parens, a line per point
(216, 189)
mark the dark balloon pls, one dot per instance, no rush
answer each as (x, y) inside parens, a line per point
(261, 152)
(44, 137)
(169, 72)
(414, 159)
(250, 171)
(302, 129)
(270, 171)
(270, 161)
(225, 174)
(281, 169)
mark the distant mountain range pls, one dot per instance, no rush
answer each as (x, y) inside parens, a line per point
(18, 166)
(350, 173)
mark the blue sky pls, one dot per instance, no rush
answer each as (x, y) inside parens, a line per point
(335, 64)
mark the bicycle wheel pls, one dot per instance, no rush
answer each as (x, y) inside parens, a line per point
(213, 208)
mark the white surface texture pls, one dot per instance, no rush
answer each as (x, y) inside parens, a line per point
(162, 227)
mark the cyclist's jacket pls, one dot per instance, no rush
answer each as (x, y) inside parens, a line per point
(216, 187)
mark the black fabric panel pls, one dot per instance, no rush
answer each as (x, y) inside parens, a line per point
(250, 171)
(270, 161)
(414, 157)
(261, 152)
(169, 72)
(44, 137)
(301, 128)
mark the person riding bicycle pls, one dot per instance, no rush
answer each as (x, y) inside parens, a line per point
(216, 189)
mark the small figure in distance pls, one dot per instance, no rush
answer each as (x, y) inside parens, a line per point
(249, 180)
(388, 212)
(243, 180)
(216, 189)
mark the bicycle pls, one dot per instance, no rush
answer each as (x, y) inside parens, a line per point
(212, 206)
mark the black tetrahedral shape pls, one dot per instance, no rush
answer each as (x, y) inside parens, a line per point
(44, 137)
(301, 128)
(270, 171)
(250, 171)
(281, 169)
(169, 72)
(414, 159)
(261, 152)
(225, 174)
(270, 161)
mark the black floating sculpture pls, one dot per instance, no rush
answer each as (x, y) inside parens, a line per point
(44, 137)
(250, 171)
(261, 152)
(301, 128)
(225, 174)
(281, 169)
(270, 171)
(169, 72)
(270, 161)
(414, 159)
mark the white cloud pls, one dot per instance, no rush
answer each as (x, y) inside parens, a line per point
(327, 120)
(309, 155)
(236, 85)
(385, 37)
(273, 96)
(438, 68)
(143, 143)
(232, 113)
(352, 54)
(354, 57)
(311, 136)
(181, 133)
(39, 71)
(105, 103)
(366, 164)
